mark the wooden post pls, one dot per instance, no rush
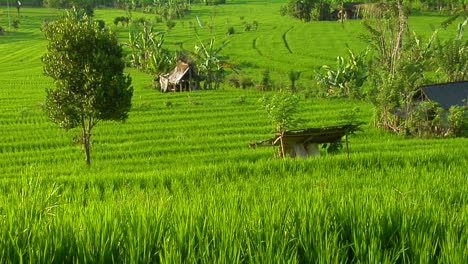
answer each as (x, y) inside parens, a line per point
(190, 78)
(282, 145)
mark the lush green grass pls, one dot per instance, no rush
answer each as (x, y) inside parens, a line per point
(179, 183)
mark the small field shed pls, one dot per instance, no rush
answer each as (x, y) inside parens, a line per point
(304, 142)
(182, 78)
(447, 94)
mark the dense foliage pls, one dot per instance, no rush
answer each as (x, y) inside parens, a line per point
(401, 65)
(147, 51)
(309, 10)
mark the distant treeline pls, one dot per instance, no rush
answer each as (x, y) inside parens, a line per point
(96, 3)
(422, 4)
(308, 10)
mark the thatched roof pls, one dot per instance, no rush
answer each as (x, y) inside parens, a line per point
(182, 71)
(178, 73)
(447, 94)
(309, 135)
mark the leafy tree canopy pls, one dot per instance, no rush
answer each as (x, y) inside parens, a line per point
(86, 64)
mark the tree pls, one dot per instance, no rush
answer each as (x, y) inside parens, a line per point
(282, 110)
(307, 10)
(148, 53)
(386, 29)
(348, 76)
(210, 64)
(87, 67)
(452, 56)
(294, 77)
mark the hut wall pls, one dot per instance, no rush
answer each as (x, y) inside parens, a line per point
(298, 150)
(312, 150)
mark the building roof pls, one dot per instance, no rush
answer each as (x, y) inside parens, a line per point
(309, 135)
(447, 94)
(178, 73)
(182, 72)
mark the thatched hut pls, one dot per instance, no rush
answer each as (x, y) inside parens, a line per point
(182, 78)
(305, 142)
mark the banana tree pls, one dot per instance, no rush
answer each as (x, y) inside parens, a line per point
(210, 64)
(148, 53)
(348, 76)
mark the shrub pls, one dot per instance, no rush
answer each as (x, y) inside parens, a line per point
(347, 77)
(170, 24)
(265, 84)
(457, 120)
(230, 31)
(282, 110)
(15, 24)
(215, 2)
(140, 20)
(101, 24)
(234, 81)
(87, 7)
(307, 10)
(283, 11)
(246, 82)
(123, 20)
(168, 104)
(254, 25)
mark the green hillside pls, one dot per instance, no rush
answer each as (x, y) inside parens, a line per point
(177, 182)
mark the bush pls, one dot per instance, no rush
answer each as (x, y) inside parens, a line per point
(140, 20)
(87, 7)
(265, 84)
(123, 20)
(170, 24)
(282, 110)
(230, 31)
(101, 24)
(234, 81)
(307, 10)
(254, 25)
(15, 24)
(55, 3)
(246, 82)
(283, 11)
(215, 2)
(457, 120)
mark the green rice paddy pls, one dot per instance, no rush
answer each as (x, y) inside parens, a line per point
(177, 183)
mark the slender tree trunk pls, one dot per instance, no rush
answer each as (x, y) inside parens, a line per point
(85, 137)
(86, 143)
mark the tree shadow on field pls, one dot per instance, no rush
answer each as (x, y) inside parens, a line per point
(10, 37)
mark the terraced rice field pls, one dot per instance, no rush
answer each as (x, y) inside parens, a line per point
(178, 183)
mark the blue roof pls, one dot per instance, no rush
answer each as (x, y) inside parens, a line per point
(447, 94)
